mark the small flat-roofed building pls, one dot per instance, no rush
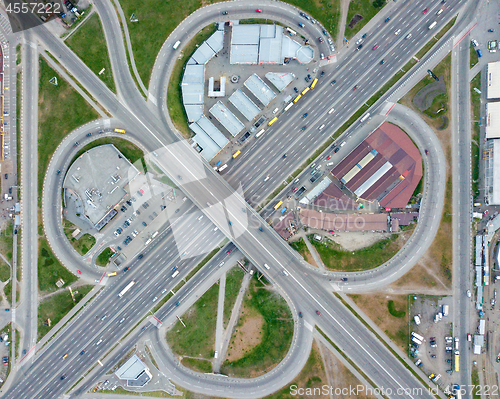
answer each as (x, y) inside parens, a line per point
(493, 120)
(493, 80)
(259, 89)
(226, 118)
(243, 104)
(280, 80)
(344, 222)
(97, 179)
(135, 372)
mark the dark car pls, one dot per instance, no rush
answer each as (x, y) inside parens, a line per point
(144, 224)
(426, 151)
(224, 12)
(89, 134)
(82, 352)
(320, 39)
(381, 62)
(318, 313)
(302, 14)
(303, 116)
(491, 30)
(6, 176)
(58, 172)
(359, 47)
(344, 278)
(10, 190)
(362, 37)
(295, 90)
(24, 351)
(140, 256)
(303, 128)
(126, 269)
(309, 76)
(336, 150)
(333, 82)
(387, 19)
(322, 73)
(306, 79)
(300, 315)
(355, 87)
(325, 32)
(63, 377)
(76, 144)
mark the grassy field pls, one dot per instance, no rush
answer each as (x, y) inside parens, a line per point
(233, 284)
(7, 290)
(366, 9)
(474, 59)
(198, 337)
(388, 312)
(476, 106)
(201, 365)
(6, 239)
(311, 376)
(50, 269)
(301, 247)
(57, 306)
(277, 332)
(158, 19)
(174, 94)
(61, 109)
(4, 271)
(83, 244)
(104, 256)
(337, 259)
(89, 44)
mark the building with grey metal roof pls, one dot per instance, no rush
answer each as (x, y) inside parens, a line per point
(265, 44)
(208, 140)
(226, 118)
(97, 179)
(280, 80)
(243, 104)
(259, 89)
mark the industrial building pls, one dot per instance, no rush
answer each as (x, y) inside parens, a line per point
(226, 118)
(94, 193)
(259, 89)
(386, 167)
(208, 140)
(493, 80)
(265, 44)
(243, 104)
(492, 120)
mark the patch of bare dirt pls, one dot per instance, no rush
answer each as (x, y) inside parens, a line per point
(247, 334)
(354, 240)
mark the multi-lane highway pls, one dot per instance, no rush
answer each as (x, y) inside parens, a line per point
(233, 215)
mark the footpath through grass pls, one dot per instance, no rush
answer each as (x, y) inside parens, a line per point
(61, 109)
(89, 44)
(335, 258)
(50, 269)
(277, 332)
(234, 279)
(198, 337)
(57, 306)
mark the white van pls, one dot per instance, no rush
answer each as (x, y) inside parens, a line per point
(417, 320)
(431, 26)
(176, 44)
(266, 266)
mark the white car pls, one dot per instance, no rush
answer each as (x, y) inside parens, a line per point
(397, 32)
(474, 42)
(155, 299)
(468, 294)
(359, 42)
(116, 234)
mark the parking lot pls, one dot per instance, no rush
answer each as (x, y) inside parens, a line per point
(437, 350)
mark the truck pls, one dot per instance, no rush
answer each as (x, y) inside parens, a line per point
(431, 26)
(446, 309)
(364, 118)
(176, 44)
(416, 340)
(126, 288)
(418, 336)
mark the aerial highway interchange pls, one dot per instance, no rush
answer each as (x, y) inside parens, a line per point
(229, 202)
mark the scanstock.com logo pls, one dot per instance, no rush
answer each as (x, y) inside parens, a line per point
(163, 178)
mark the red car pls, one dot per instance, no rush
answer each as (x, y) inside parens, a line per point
(328, 157)
(423, 12)
(295, 189)
(79, 272)
(375, 47)
(258, 10)
(318, 313)
(426, 152)
(330, 231)
(228, 252)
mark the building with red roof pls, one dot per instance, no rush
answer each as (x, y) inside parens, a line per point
(386, 167)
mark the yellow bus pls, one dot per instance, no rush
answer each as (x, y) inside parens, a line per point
(278, 205)
(297, 98)
(111, 274)
(272, 121)
(313, 84)
(236, 153)
(119, 131)
(457, 362)
(305, 90)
